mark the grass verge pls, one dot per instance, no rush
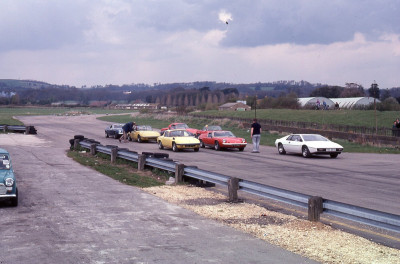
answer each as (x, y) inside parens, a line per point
(123, 171)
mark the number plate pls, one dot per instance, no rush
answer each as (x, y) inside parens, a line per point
(330, 149)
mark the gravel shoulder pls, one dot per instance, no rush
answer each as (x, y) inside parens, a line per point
(316, 241)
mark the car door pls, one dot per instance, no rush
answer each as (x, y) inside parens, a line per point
(208, 140)
(167, 139)
(296, 143)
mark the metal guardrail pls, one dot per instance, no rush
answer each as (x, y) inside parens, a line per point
(15, 128)
(206, 176)
(345, 211)
(362, 215)
(274, 193)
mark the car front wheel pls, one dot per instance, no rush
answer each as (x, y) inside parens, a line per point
(106, 135)
(281, 149)
(306, 152)
(202, 144)
(334, 155)
(14, 201)
(217, 146)
(139, 139)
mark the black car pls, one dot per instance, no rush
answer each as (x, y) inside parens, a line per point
(115, 131)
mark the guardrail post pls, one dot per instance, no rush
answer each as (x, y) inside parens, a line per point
(179, 171)
(315, 208)
(76, 144)
(27, 129)
(114, 154)
(141, 162)
(233, 187)
(93, 149)
(5, 128)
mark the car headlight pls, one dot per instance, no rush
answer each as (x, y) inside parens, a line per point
(224, 141)
(9, 182)
(243, 140)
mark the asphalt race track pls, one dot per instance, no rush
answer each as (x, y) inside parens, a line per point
(71, 214)
(366, 180)
(68, 213)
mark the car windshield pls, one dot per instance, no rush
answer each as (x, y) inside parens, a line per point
(4, 162)
(314, 138)
(212, 128)
(180, 133)
(181, 126)
(224, 134)
(117, 126)
(144, 128)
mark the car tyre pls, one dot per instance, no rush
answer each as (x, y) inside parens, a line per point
(174, 147)
(241, 149)
(129, 137)
(14, 201)
(196, 149)
(217, 146)
(334, 155)
(107, 135)
(305, 152)
(139, 139)
(160, 145)
(281, 149)
(202, 144)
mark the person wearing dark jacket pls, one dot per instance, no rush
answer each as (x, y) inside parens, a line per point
(127, 128)
(255, 136)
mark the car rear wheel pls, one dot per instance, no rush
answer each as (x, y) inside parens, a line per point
(160, 145)
(306, 152)
(174, 147)
(202, 144)
(334, 155)
(281, 149)
(217, 146)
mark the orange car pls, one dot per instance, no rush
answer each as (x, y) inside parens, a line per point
(179, 126)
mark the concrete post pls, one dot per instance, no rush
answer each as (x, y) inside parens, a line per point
(27, 129)
(315, 208)
(233, 187)
(179, 171)
(141, 162)
(114, 153)
(93, 149)
(76, 144)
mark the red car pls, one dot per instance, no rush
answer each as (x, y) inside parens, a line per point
(179, 126)
(208, 128)
(221, 140)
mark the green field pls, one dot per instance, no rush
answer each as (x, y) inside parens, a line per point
(7, 113)
(365, 118)
(267, 139)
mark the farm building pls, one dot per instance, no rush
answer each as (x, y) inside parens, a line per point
(350, 102)
(354, 102)
(312, 101)
(234, 107)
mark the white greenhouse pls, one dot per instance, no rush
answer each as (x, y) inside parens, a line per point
(351, 102)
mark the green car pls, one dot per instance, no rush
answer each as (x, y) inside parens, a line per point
(8, 184)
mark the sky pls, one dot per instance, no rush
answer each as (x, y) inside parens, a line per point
(102, 42)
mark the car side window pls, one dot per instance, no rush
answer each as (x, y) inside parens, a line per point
(290, 138)
(209, 135)
(166, 134)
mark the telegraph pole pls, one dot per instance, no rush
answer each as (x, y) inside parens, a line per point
(375, 90)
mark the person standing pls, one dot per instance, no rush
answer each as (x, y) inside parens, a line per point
(128, 127)
(255, 135)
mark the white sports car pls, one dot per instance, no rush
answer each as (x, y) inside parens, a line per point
(307, 145)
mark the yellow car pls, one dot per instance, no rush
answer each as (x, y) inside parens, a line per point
(178, 139)
(142, 134)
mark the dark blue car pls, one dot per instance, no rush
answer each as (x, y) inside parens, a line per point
(8, 184)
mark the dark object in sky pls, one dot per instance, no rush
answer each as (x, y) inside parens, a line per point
(226, 22)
